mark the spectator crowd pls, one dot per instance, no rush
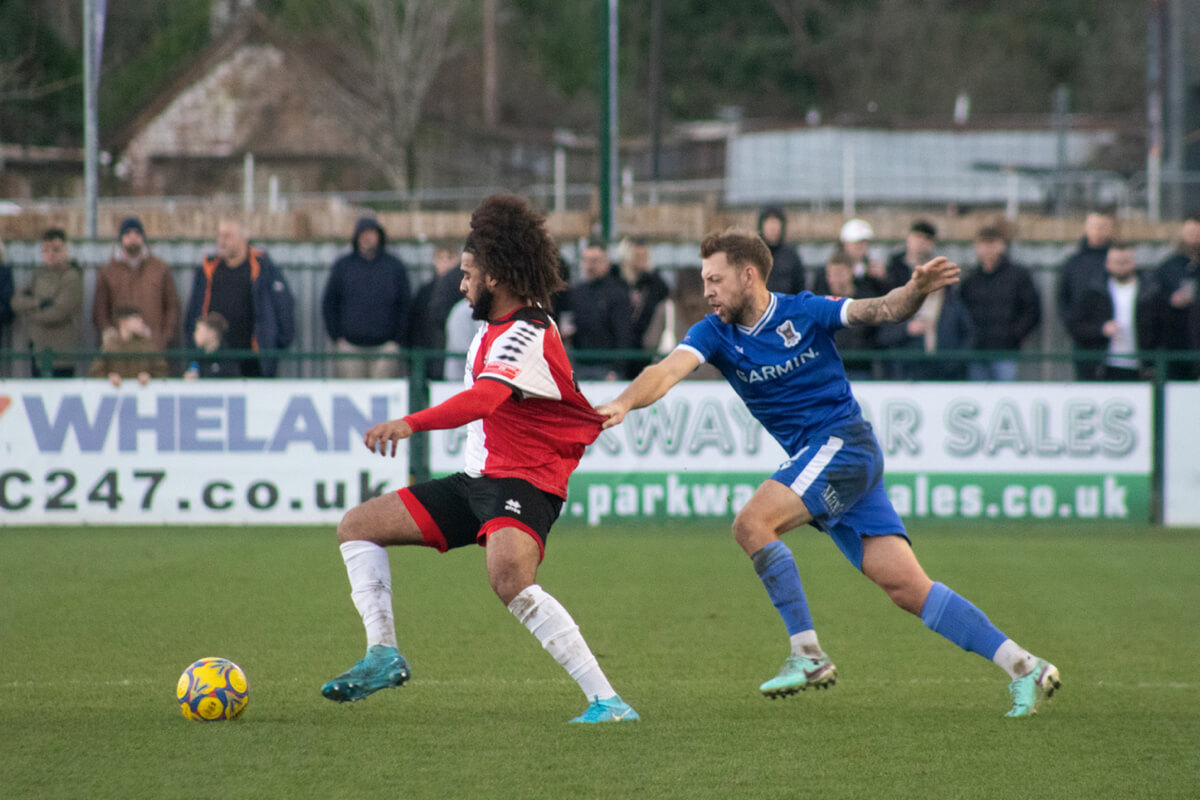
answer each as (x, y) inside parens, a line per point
(241, 311)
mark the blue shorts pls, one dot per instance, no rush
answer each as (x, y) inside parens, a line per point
(839, 476)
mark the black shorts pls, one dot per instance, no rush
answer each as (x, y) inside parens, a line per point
(459, 510)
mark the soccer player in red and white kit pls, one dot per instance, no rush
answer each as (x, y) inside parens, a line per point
(528, 426)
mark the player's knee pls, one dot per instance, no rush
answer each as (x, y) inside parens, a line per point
(906, 594)
(904, 597)
(351, 527)
(750, 532)
(507, 583)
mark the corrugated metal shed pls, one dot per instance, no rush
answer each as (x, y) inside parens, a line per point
(820, 164)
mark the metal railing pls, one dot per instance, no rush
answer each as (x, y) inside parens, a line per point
(415, 363)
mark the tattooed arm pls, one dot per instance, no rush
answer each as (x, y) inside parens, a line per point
(902, 302)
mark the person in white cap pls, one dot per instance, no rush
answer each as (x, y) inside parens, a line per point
(856, 238)
(855, 241)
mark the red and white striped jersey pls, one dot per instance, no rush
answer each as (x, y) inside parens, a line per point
(541, 431)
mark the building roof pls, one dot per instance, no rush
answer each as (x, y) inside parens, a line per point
(246, 93)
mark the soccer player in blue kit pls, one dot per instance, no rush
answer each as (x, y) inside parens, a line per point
(777, 352)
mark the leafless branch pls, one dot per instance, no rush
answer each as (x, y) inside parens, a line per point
(379, 83)
(32, 92)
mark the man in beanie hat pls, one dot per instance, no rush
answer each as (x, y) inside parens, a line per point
(131, 224)
(135, 278)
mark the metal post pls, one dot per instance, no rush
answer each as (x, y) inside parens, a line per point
(654, 93)
(491, 103)
(608, 124)
(1154, 110)
(848, 181)
(560, 180)
(248, 182)
(1062, 97)
(1012, 183)
(1176, 108)
(418, 397)
(91, 139)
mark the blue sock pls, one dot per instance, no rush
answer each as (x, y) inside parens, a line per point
(954, 617)
(776, 568)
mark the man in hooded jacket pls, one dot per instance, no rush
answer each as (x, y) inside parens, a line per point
(366, 305)
(787, 274)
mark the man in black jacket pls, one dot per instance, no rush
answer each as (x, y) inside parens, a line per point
(1125, 314)
(649, 297)
(1084, 274)
(366, 305)
(918, 249)
(787, 270)
(1002, 301)
(242, 284)
(431, 307)
(603, 314)
(942, 323)
(1179, 280)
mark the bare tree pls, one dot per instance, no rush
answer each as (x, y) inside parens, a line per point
(16, 82)
(916, 56)
(9, 76)
(799, 16)
(381, 57)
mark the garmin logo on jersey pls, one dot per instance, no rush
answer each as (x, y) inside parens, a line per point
(772, 371)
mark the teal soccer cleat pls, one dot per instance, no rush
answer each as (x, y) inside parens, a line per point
(798, 673)
(613, 709)
(1028, 692)
(381, 668)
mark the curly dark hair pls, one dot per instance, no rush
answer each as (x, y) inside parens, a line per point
(510, 241)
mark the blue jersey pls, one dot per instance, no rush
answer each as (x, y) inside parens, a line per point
(785, 368)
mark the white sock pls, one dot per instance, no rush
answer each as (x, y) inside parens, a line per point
(546, 619)
(1014, 659)
(805, 644)
(371, 589)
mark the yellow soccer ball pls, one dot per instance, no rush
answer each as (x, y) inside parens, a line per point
(212, 690)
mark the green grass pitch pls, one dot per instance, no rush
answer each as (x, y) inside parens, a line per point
(96, 625)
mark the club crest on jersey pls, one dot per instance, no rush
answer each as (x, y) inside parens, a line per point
(788, 331)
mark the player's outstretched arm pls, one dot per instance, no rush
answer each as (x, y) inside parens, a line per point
(471, 404)
(902, 302)
(651, 384)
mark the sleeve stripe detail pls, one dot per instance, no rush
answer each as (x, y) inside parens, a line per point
(845, 315)
(693, 351)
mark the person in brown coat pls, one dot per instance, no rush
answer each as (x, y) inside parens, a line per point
(137, 279)
(131, 336)
(52, 305)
